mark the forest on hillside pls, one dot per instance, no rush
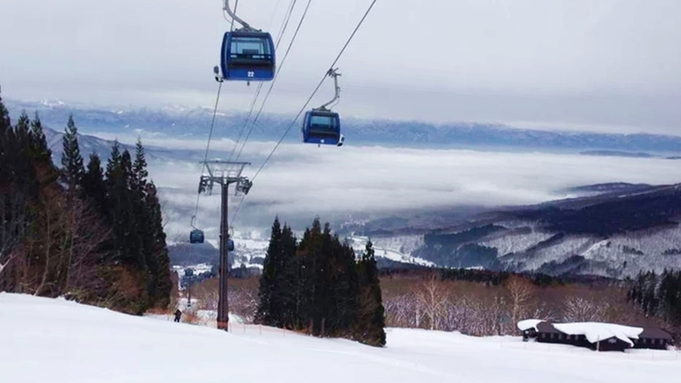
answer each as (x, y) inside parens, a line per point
(485, 303)
(90, 232)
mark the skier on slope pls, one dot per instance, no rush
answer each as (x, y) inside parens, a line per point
(178, 314)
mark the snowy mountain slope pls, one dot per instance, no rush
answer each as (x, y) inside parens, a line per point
(557, 251)
(515, 242)
(93, 144)
(396, 249)
(617, 232)
(64, 342)
(247, 254)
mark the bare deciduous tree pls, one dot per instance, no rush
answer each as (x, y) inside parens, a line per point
(400, 310)
(243, 303)
(88, 232)
(12, 222)
(521, 294)
(432, 299)
(578, 309)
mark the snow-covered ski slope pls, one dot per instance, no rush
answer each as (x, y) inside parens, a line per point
(46, 340)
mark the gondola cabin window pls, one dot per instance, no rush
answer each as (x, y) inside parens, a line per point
(250, 49)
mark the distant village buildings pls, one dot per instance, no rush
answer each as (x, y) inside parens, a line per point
(595, 335)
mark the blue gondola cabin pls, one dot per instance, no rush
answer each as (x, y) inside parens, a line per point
(196, 236)
(248, 56)
(322, 127)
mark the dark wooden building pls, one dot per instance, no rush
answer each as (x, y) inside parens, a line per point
(651, 337)
(655, 338)
(546, 333)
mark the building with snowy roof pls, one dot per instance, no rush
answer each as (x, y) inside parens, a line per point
(595, 335)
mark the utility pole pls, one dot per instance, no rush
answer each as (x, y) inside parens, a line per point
(224, 173)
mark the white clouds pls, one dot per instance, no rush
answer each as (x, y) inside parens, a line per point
(302, 181)
(606, 62)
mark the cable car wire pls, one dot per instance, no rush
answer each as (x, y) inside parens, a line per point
(315, 91)
(282, 30)
(302, 19)
(210, 135)
(274, 12)
(262, 106)
(307, 102)
(217, 99)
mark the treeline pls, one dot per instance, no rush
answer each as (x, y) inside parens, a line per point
(318, 286)
(658, 295)
(89, 234)
(495, 278)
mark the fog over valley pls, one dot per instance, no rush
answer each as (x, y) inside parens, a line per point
(301, 181)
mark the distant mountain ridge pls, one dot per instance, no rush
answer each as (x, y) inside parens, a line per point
(613, 230)
(195, 122)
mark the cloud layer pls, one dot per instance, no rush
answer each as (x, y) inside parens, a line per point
(302, 181)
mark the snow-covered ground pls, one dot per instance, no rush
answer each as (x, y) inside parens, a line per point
(46, 340)
(198, 269)
(393, 248)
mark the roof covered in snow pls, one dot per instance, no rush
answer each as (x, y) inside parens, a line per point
(593, 331)
(527, 324)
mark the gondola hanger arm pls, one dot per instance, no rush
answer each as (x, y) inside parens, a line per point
(226, 8)
(333, 73)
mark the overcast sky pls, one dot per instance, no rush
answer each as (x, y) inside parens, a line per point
(604, 65)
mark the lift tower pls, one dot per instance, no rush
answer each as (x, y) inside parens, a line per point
(224, 173)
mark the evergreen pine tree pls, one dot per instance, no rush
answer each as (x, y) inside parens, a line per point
(139, 167)
(267, 313)
(5, 122)
(327, 284)
(304, 265)
(316, 245)
(72, 161)
(22, 129)
(6, 142)
(117, 204)
(288, 277)
(23, 171)
(38, 143)
(134, 224)
(370, 321)
(93, 187)
(348, 288)
(161, 283)
(126, 245)
(145, 216)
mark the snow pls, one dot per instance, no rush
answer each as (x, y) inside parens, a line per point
(515, 243)
(528, 324)
(595, 331)
(198, 269)
(63, 342)
(393, 248)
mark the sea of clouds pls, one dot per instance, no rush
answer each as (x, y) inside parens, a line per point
(302, 181)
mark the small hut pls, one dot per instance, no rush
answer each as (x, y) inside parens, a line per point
(594, 335)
